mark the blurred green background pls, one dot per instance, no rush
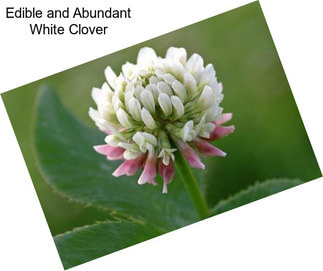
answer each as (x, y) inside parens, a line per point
(270, 140)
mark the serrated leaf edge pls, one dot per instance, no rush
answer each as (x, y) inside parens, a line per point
(246, 190)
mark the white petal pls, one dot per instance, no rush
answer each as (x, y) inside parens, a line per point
(126, 146)
(204, 134)
(130, 154)
(209, 127)
(166, 159)
(112, 140)
(219, 98)
(150, 138)
(188, 133)
(206, 98)
(145, 141)
(147, 100)
(187, 129)
(165, 104)
(199, 126)
(96, 94)
(208, 75)
(138, 138)
(179, 90)
(116, 103)
(129, 70)
(211, 113)
(171, 53)
(168, 78)
(134, 109)
(162, 153)
(107, 113)
(110, 76)
(194, 65)
(164, 88)
(107, 93)
(149, 148)
(138, 89)
(177, 54)
(147, 119)
(146, 56)
(217, 87)
(153, 80)
(178, 70)
(127, 96)
(153, 89)
(124, 118)
(130, 87)
(120, 84)
(178, 107)
(94, 114)
(190, 84)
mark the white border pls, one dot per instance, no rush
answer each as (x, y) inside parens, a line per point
(281, 232)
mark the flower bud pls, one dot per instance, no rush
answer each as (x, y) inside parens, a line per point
(208, 75)
(135, 109)
(177, 54)
(178, 107)
(179, 90)
(206, 98)
(148, 119)
(110, 76)
(194, 65)
(188, 133)
(164, 88)
(129, 70)
(165, 104)
(189, 84)
(112, 140)
(168, 78)
(137, 91)
(147, 100)
(124, 118)
(146, 56)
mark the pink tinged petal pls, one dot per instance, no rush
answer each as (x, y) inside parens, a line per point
(130, 167)
(112, 153)
(167, 172)
(153, 182)
(150, 170)
(221, 131)
(207, 149)
(105, 130)
(116, 154)
(192, 158)
(102, 149)
(224, 118)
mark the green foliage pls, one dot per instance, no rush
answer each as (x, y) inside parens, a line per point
(68, 162)
(254, 192)
(90, 242)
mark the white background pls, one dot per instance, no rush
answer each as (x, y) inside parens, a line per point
(281, 232)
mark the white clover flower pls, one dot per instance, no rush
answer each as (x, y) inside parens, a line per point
(156, 107)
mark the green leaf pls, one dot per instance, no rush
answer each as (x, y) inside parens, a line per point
(64, 148)
(254, 192)
(90, 242)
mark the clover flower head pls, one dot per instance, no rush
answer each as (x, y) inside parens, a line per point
(157, 107)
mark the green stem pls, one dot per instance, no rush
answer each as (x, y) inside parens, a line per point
(191, 185)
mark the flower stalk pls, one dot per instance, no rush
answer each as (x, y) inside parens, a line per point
(191, 185)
